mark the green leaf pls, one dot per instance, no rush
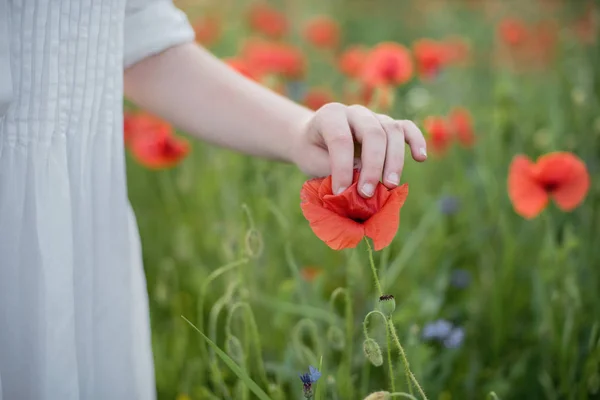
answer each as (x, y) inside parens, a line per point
(234, 367)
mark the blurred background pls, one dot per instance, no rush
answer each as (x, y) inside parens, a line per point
(487, 300)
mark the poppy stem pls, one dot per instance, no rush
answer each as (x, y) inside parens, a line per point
(387, 331)
(373, 269)
(409, 375)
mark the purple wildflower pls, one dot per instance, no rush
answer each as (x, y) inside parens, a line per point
(308, 379)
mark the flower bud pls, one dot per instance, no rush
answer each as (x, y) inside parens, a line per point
(387, 304)
(336, 338)
(379, 396)
(373, 352)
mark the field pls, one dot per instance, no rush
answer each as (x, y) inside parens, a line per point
(493, 299)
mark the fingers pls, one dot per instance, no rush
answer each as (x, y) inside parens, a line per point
(415, 139)
(394, 155)
(370, 133)
(332, 125)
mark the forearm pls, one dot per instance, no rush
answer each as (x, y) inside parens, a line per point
(192, 89)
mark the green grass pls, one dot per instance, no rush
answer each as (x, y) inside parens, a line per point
(531, 312)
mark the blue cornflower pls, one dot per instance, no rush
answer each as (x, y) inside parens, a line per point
(449, 205)
(308, 379)
(445, 332)
(437, 330)
(455, 338)
(460, 278)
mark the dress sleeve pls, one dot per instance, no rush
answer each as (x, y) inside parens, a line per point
(152, 26)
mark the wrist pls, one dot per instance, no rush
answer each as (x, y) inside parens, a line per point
(297, 137)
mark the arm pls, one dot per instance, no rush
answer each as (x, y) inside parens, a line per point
(170, 76)
(190, 87)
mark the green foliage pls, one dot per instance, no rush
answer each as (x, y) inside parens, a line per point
(531, 311)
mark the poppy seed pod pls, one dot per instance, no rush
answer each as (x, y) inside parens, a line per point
(379, 396)
(373, 352)
(387, 304)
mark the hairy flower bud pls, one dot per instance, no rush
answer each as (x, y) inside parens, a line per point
(373, 352)
(387, 304)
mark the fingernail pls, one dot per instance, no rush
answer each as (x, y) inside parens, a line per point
(340, 190)
(423, 152)
(368, 189)
(393, 178)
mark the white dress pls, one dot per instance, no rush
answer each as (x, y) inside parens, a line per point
(74, 321)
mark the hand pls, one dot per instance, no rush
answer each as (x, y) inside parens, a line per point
(326, 145)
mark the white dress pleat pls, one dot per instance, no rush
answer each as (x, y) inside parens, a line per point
(74, 321)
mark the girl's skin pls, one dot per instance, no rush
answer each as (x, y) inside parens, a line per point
(195, 91)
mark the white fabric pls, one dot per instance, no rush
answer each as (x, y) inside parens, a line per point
(73, 304)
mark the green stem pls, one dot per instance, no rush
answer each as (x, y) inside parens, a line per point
(409, 375)
(349, 330)
(373, 269)
(391, 329)
(390, 363)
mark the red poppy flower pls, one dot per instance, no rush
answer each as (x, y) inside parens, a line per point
(142, 123)
(440, 133)
(243, 67)
(310, 273)
(513, 31)
(317, 97)
(430, 57)
(152, 143)
(462, 126)
(208, 30)
(274, 58)
(387, 64)
(457, 50)
(322, 32)
(352, 61)
(341, 221)
(561, 176)
(267, 20)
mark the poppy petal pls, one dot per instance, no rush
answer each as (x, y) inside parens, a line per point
(382, 226)
(527, 196)
(336, 231)
(310, 191)
(572, 191)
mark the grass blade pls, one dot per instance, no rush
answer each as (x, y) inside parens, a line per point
(233, 366)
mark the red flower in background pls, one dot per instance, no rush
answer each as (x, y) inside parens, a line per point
(316, 98)
(462, 126)
(243, 67)
(310, 273)
(152, 143)
(208, 30)
(440, 133)
(274, 58)
(430, 57)
(322, 32)
(341, 221)
(135, 124)
(513, 31)
(586, 27)
(352, 60)
(561, 176)
(388, 64)
(268, 21)
(457, 50)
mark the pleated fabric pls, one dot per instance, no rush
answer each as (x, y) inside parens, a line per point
(74, 321)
